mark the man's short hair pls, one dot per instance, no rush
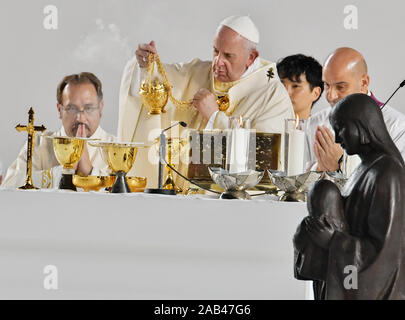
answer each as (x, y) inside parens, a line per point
(80, 78)
(292, 67)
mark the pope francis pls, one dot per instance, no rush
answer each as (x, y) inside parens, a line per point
(236, 73)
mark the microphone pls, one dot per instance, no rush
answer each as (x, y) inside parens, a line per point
(162, 160)
(182, 123)
(400, 86)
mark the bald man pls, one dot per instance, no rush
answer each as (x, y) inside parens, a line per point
(344, 73)
(236, 74)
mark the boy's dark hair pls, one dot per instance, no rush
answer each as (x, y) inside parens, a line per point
(292, 67)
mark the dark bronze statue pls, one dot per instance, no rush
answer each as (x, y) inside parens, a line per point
(361, 234)
(325, 205)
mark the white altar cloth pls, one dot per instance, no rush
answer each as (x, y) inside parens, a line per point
(140, 246)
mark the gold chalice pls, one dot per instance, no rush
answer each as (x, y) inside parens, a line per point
(120, 157)
(174, 148)
(68, 151)
(93, 183)
(154, 95)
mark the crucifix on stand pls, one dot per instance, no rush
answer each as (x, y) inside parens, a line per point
(31, 130)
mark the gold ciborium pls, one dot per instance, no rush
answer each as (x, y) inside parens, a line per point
(120, 157)
(174, 148)
(136, 184)
(68, 151)
(93, 183)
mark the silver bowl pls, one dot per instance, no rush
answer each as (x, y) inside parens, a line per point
(295, 187)
(235, 184)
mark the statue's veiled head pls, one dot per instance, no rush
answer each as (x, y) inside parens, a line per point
(359, 126)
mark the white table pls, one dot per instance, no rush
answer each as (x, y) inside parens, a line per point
(139, 246)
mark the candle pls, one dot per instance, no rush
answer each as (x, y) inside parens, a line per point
(296, 142)
(239, 150)
(238, 145)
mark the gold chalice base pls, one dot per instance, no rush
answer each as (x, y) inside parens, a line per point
(136, 184)
(27, 186)
(170, 185)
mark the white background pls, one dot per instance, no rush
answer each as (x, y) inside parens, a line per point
(100, 36)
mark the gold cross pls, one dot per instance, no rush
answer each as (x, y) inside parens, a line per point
(30, 129)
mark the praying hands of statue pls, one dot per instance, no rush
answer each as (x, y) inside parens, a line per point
(319, 230)
(326, 150)
(205, 102)
(143, 51)
(84, 166)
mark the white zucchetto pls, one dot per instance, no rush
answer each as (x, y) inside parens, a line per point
(242, 25)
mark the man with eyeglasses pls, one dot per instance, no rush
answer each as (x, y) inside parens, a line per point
(80, 107)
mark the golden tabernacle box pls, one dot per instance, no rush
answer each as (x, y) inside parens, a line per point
(208, 148)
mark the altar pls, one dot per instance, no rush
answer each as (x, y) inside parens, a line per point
(142, 246)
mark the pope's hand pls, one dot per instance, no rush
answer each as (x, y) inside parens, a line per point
(84, 165)
(205, 102)
(326, 150)
(142, 54)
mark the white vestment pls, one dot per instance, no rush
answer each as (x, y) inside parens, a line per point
(394, 120)
(257, 96)
(46, 170)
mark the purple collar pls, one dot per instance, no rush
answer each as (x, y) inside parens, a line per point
(380, 104)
